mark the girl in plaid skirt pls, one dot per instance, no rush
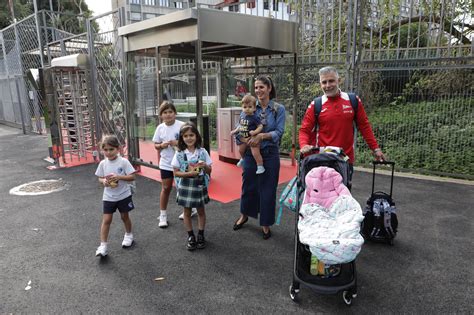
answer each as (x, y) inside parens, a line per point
(192, 166)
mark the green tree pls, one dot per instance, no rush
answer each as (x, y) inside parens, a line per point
(22, 8)
(69, 16)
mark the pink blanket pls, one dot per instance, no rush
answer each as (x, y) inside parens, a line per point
(323, 186)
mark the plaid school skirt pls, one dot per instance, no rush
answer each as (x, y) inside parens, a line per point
(192, 193)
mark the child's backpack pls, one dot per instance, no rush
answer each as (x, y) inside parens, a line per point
(184, 164)
(288, 198)
(380, 214)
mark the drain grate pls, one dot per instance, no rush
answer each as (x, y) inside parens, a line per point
(40, 187)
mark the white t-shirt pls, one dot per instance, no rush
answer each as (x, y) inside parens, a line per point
(193, 157)
(165, 133)
(119, 166)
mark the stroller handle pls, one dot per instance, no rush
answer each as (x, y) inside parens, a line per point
(311, 151)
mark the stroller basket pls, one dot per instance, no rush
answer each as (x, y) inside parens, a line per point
(346, 275)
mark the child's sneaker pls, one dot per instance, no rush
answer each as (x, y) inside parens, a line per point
(102, 251)
(191, 245)
(240, 163)
(201, 242)
(194, 212)
(127, 240)
(260, 169)
(163, 221)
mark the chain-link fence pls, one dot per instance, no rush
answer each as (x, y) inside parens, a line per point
(107, 68)
(23, 53)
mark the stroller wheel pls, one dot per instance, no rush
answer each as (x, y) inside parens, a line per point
(294, 294)
(347, 297)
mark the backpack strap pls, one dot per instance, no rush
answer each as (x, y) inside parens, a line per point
(202, 157)
(318, 105)
(284, 195)
(183, 161)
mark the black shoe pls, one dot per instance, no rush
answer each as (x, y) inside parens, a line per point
(191, 245)
(239, 225)
(266, 236)
(201, 242)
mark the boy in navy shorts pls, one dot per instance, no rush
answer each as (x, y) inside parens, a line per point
(249, 126)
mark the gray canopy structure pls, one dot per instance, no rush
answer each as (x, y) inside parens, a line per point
(208, 34)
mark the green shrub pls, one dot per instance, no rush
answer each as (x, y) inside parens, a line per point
(433, 136)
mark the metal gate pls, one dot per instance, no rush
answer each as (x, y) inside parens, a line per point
(75, 115)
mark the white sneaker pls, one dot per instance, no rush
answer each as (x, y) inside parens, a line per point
(194, 212)
(101, 251)
(260, 169)
(240, 163)
(163, 221)
(127, 241)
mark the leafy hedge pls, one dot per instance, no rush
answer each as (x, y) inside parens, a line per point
(435, 136)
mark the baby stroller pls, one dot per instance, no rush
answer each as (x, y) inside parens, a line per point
(346, 280)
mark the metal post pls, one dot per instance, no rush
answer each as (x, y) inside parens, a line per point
(257, 69)
(20, 104)
(129, 120)
(349, 42)
(47, 95)
(63, 47)
(43, 13)
(18, 50)
(354, 44)
(359, 55)
(295, 107)
(159, 81)
(219, 85)
(2, 42)
(198, 81)
(95, 107)
(38, 34)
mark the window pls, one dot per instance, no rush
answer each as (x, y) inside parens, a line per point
(135, 16)
(149, 16)
(275, 5)
(251, 4)
(150, 2)
(135, 1)
(265, 4)
(234, 8)
(164, 3)
(178, 5)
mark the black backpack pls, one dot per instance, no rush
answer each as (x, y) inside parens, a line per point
(380, 214)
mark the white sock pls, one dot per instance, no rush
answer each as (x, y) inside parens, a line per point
(128, 234)
(103, 243)
(162, 212)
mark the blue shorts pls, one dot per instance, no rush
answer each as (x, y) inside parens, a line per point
(166, 174)
(123, 206)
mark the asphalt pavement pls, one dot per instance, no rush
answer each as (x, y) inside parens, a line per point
(51, 239)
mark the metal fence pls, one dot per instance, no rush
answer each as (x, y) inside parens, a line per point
(411, 61)
(22, 54)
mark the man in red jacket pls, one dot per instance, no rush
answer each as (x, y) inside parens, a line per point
(335, 122)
